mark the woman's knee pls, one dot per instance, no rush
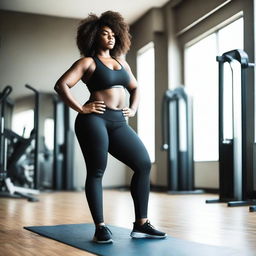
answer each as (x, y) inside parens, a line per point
(97, 173)
(144, 166)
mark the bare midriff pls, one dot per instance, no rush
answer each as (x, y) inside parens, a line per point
(114, 98)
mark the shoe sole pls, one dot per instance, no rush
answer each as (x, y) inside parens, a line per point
(143, 235)
(103, 242)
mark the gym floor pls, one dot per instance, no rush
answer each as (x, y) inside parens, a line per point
(181, 216)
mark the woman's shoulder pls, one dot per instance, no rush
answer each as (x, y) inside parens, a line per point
(84, 62)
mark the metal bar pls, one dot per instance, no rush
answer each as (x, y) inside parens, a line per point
(3, 145)
(36, 130)
(190, 147)
(221, 67)
(244, 96)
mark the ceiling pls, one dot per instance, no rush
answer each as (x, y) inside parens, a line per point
(131, 10)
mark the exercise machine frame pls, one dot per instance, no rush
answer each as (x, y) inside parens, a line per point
(12, 190)
(179, 149)
(233, 170)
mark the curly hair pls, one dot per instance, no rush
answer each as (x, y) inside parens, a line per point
(88, 29)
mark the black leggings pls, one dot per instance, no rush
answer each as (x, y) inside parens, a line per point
(99, 134)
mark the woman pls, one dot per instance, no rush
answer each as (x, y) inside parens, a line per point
(101, 125)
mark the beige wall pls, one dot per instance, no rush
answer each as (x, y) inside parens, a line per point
(37, 50)
(150, 28)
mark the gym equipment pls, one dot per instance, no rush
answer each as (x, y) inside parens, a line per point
(252, 208)
(235, 179)
(63, 147)
(177, 123)
(10, 159)
(45, 159)
(36, 134)
(20, 163)
(80, 236)
(3, 145)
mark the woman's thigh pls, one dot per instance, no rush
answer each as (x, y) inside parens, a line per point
(126, 146)
(92, 136)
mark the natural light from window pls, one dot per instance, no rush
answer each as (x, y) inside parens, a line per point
(49, 133)
(201, 80)
(146, 110)
(23, 122)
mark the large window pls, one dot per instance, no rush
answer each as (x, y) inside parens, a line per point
(23, 123)
(49, 133)
(146, 110)
(201, 79)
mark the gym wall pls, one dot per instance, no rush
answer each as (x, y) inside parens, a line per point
(150, 28)
(183, 21)
(37, 50)
(208, 17)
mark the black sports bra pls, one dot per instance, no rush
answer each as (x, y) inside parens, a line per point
(106, 78)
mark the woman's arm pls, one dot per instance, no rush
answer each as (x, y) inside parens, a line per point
(134, 91)
(69, 79)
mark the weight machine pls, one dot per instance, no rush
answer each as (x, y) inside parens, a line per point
(235, 178)
(178, 140)
(10, 160)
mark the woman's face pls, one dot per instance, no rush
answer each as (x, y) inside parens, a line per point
(106, 38)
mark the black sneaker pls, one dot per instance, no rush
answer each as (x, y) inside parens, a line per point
(146, 231)
(102, 235)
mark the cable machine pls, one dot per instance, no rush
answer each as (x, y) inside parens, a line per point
(235, 179)
(63, 147)
(36, 130)
(3, 145)
(12, 156)
(44, 160)
(178, 140)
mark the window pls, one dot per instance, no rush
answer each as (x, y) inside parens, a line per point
(146, 110)
(202, 83)
(23, 123)
(201, 79)
(49, 133)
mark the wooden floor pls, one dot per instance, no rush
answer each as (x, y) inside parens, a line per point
(181, 216)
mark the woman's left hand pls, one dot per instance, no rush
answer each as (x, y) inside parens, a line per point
(129, 112)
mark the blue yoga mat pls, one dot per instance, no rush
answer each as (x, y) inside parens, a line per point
(80, 236)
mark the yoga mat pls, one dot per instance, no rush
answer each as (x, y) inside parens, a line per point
(80, 236)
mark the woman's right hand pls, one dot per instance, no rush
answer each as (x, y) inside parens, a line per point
(95, 106)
